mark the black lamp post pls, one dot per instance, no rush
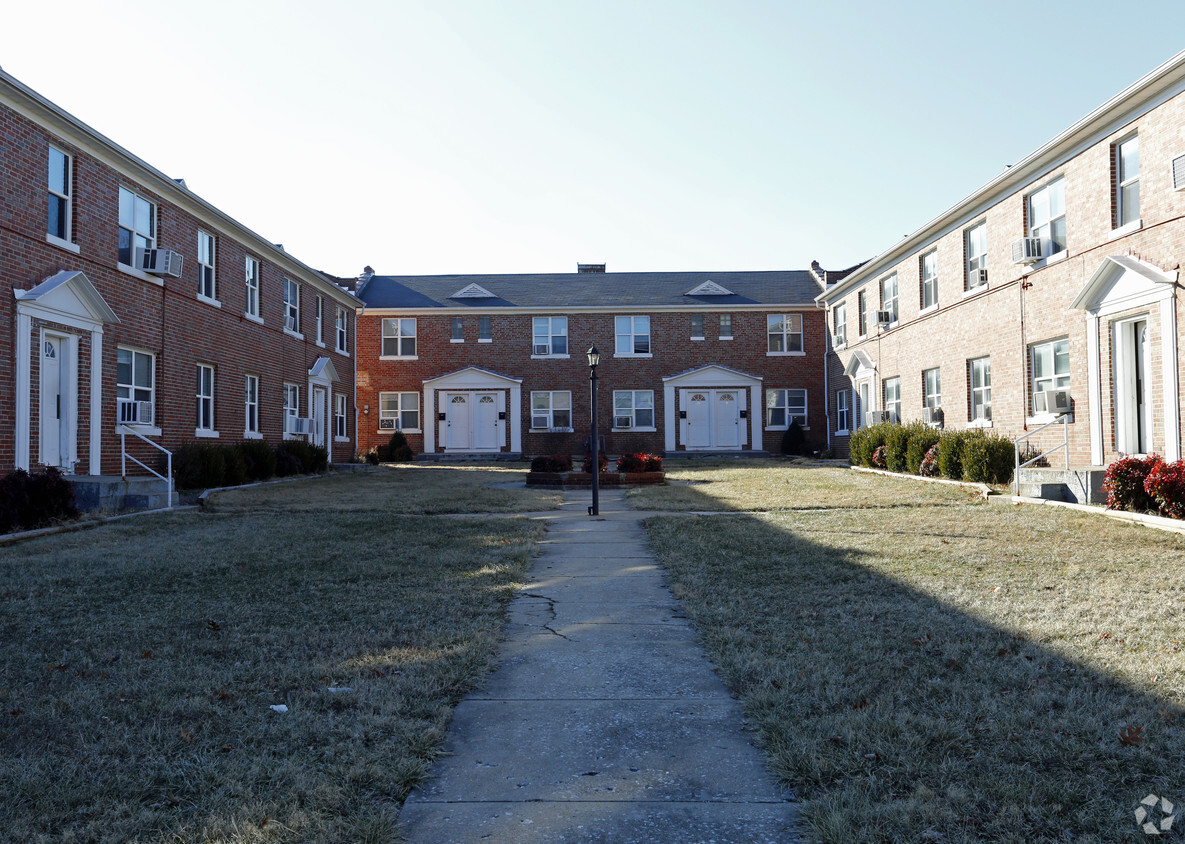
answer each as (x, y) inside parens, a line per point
(594, 359)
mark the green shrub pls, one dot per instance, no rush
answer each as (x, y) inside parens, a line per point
(988, 458)
(552, 463)
(199, 465)
(792, 439)
(287, 463)
(32, 501)
(921, 439)
(311, 459)
(896, 441)
(950, 454)
(865, 441)
(259, 459)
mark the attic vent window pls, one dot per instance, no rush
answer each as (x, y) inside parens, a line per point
(473, 291)
(590, 268)
(709, 288)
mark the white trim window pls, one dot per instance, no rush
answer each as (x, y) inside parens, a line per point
(784, 407)
(205, 398)
(632, 336)
(697, 326)
(484, 332)
(292, 307)
(551, 410)
(1051, 365)
(726, 326)
(291, 408)
(840, 318)
(59, 223)
(137, 225)
(892, 402)
(342, 326)
(339, 416)
(207, 288)
(638, 405)
(251, 405)
(1046, 209)
(251, 280)
(842, 419)
(932, 388)
(456, 329)
(929, 274)
(975, 247)
(889, 296)
(549, 336)
(862, 311)
(1127, 181)
(784, 332)
(135, 378)
(399, 411)
(979, 379)
(319, 338)
(399, 338)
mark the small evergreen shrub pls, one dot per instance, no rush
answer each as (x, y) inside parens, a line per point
(950, 454)
(199, 465)
(865, 441)
(259, 459)
(640, 462)
(988, 458)
(792, 439)
(312, 459)
(398, 450)
(896, 442)
(552, 463)
(31, 501)
(586, 465)
(922, 438)
(929, 465)
(1166, 486)
(287, 463)
(372, 457)
(1124, 483)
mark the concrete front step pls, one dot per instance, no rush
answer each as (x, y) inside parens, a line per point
(1079, 485)
(112, 492)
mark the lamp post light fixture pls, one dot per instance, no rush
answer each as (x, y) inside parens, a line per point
(594, 359)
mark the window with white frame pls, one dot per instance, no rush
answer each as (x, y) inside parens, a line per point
(457, 329)
(291, 407)
(484, 333)
(975, 247)
(399, 411)
(551, 410)
(784, 407)
(205, 397)
(862, 311)
(339, 416)
(979, 377)
(725, 326)
(633, 408)
(61, 190)
(932, 388)
(342, 330)
(889, 296)
(137, 225)
(697, 326)
(135, 377)
(1047, 217)
(320, 338)
(892, 403)
(291, 306)
(1051, 365)
(205, 260)
(1127, 181)
(785, 333)
(842, 417)
(251, 405)
(549, 335)
(399, 338)
(929, 273)
(633, 335)
(251, 273)
(840, 317)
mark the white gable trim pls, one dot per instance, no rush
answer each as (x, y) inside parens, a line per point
(323, 372)
(709, 288)
(473, 291)
(1123, 282)
(859, 366)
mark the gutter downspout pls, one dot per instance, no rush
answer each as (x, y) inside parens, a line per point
(827, 352)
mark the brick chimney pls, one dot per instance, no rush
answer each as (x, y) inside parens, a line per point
(590, 268)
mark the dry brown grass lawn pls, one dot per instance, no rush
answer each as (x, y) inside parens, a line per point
(948, 673)
(142, 658)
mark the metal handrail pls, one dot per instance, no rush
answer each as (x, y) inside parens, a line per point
(1064, 421)
(123, 431)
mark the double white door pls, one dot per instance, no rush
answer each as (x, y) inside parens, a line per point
(471, 421)
(713, 419)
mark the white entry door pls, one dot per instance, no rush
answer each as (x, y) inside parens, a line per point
(484, 432)
(320, 412)
(54, 441)
(456, 412)
(1133, 411)
(699, 419)
(726, 420)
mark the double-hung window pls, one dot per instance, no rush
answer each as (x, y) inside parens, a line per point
(1127, 181)
(339, 416)
(291, 306)
(251, 273)
(932, 388)
(784, 333)
(320, 335)
(484, 333)
(457, 329)
(1051, 366)
(291, 407)
(784, 407)
(726, 326)
(549, 336)
(1047, 217)
(633, 408)
(342, 331)
(205, 258)
(137, 226)
(889, 296)
(929, 273)
(251, 406)
(134, 382)
(205, 399)
(862, 311)
(61, 191)
(840, 317)
(551, 410)
(399, 338)
(842, 418)
(697, 326)
(633, 335)
(979, 376)
(975, 247)
(399, 411)
(892, 402)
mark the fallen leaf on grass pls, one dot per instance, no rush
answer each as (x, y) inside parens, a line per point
(147, 655)
(1131, 736)
(211, 624)
(186, 736)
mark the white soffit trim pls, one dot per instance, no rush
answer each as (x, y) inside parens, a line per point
(716, 374)
(470, 375)
(1111, 283)
(473, 291)
(709, 288)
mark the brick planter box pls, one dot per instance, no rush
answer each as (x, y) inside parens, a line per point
(583, 480)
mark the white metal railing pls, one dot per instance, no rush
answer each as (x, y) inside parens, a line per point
(1064, 421)
(124, 430)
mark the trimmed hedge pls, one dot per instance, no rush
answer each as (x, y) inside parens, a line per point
(395, 451)
(988, 458)
(1166, 486)
(639, 462)
(201, 464)
(950, 454)
(552, 463)
(865, 441)
(1124, 483)
(922, 439)
(31, 501)
(919, 449)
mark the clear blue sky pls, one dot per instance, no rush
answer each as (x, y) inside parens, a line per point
(487, 136)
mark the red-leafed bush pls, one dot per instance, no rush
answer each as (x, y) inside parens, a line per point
(586, 466)
(878, 457)
(552, 463)
(1124, 483)
(1166, 486)
(640, 462)
(929, 467)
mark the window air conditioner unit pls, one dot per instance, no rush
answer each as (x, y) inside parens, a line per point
(623, 421)
(539, 422)
(300, 425)
(386, 424)
(884, 317)
(135, 412)
(1027, 250)
(927, 416)
(875, 417)
(1051, 401)
(160, 261)
(541, 349)
(977, 277)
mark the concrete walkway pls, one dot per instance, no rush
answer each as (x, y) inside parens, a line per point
(604, 721)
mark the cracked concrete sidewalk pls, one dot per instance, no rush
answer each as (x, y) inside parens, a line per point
(604, 720)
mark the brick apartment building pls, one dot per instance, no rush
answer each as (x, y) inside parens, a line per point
(1050, 291)
(136, 303)
(496, 364)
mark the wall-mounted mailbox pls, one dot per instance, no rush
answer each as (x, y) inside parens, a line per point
(744, 414)
(442, 416)
(682, 414)
(502, 414)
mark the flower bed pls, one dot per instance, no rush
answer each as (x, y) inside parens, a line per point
(583, 480)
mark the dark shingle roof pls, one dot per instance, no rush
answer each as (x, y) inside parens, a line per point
(591, 290)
